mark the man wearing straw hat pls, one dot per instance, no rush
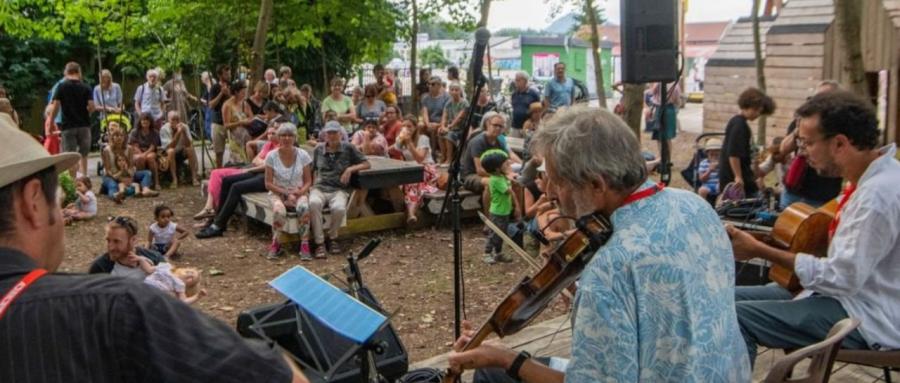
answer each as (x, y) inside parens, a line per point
(64, 327)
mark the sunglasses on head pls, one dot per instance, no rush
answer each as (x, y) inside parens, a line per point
(126, 223)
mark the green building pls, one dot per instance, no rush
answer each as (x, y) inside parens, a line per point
(539, 54)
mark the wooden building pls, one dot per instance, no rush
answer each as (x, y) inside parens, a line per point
(730, 70)
(804, 47)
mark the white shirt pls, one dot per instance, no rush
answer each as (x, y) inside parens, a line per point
(288, 177)
(862, 269)
(165, 137)
(163, 235)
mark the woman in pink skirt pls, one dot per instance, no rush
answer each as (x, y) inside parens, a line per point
(214, 187)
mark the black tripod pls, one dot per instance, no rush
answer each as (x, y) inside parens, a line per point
(456, 206)
(367, 351)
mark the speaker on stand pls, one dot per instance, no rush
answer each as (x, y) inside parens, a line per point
(649, 35)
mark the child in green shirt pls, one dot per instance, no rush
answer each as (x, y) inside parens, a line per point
(503, 202)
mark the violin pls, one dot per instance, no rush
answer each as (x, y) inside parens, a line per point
(532, 295)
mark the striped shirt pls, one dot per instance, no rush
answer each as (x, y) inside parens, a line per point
(68, 328)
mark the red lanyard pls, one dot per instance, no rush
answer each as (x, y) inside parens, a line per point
(832, 227)
(18, 288)
(639, 195)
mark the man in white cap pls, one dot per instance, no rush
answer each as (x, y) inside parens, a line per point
(334, 162)
(90, 328)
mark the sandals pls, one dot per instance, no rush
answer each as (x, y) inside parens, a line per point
(205, 213)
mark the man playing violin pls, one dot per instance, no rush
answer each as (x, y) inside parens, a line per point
(655, 303)
(839, 134)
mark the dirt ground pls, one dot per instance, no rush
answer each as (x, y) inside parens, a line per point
(411, 271)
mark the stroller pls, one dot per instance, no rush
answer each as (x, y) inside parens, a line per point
(690, 173)
(124, 120)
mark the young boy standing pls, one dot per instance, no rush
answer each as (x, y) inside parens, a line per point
(496, 163)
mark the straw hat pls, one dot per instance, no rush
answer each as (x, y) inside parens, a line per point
(535, 107)
(712, 144)
(22, 156)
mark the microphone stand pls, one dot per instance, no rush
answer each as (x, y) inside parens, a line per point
(456, 206)
(665, 164)
(368, 366)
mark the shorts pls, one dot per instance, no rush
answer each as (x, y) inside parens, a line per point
(472, 183)
(77, 140)
(161, 248)
(453, 136)
(219, 137)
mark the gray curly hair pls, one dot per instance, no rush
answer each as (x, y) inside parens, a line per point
(588, 144)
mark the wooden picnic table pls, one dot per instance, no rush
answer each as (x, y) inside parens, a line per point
(384, 173)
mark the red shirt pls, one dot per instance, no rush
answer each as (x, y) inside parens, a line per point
(391, 130)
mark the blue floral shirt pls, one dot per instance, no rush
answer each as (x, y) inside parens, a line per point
(656, 303)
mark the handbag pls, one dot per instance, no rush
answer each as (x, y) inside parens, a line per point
(793, 178)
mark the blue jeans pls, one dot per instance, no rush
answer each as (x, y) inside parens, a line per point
(768, 316)
(787, 198)
(207, 121)
(111, 186)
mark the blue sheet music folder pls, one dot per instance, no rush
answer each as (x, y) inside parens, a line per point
(333, 307)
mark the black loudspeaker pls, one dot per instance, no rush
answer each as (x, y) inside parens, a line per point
(318, 347)
(649, 40)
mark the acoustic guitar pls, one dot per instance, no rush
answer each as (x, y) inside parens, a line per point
(799, 229)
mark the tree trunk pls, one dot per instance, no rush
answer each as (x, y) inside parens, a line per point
(848, 15)
(413, 72)
(595, 51)
(259, 40)
(633, 102)
(760, 72)
(485, 12)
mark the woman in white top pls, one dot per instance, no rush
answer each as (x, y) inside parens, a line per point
(288, 179)
(413, 143)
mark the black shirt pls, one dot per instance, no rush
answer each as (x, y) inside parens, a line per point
(216, 111)
(812, 185)
(478, 112)
(104, 265)
(90, 328)
(73, 97)
(737, 144)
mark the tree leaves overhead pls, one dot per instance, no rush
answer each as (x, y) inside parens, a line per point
(178, 32)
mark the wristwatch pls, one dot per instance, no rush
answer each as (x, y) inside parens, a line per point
(517, 363)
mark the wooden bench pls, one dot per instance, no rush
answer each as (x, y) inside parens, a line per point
(385, 173)
(258, 206)
(434, 201)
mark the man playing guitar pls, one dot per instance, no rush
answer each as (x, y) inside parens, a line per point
(839, 133)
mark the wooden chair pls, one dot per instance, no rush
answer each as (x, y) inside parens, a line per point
(822, 354)
(885, 360)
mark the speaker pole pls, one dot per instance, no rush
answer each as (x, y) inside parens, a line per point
(665, 164)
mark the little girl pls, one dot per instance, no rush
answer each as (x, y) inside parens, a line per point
(85, 206)
(125, 177)
(162, 235)
(182, 283)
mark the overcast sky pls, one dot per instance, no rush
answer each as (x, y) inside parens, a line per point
(536, 13)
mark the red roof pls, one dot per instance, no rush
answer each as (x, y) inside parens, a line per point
(701, 38)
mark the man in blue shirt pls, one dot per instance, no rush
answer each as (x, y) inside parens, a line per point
(655, 303)
(522, 96)
(558, 92)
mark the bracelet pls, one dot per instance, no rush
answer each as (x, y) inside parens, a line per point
(516, 365)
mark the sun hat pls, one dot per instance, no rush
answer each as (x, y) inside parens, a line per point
(21, 155)
(712, 144)
(332, 126)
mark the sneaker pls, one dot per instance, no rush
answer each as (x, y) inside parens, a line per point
(304, 252)
(320, 252)
(489, 258)
(209, 232)
(274, 250)
(334, 248)
(502, 257)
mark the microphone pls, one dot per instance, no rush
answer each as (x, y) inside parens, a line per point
(482, 35)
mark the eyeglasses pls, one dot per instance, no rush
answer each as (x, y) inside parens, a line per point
(126, 223)
(803, 143)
